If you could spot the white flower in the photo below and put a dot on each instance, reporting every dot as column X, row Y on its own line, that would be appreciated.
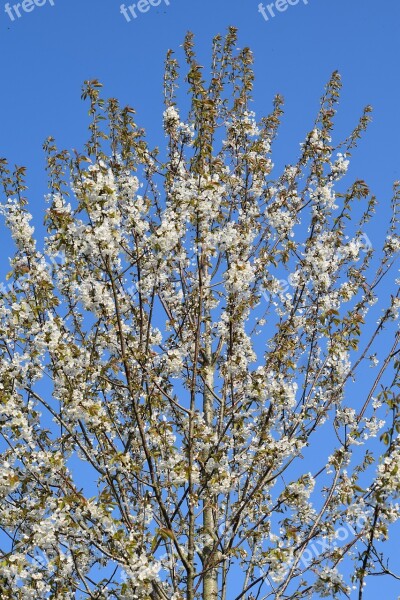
column 171, row 118
column 373, row 360
column 340, row 166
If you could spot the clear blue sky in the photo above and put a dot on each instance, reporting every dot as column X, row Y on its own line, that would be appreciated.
column 47, row 53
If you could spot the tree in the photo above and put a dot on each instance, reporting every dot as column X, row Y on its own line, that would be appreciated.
column 185, row 408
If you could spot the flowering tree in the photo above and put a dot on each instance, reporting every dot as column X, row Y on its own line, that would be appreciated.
column 185, row 408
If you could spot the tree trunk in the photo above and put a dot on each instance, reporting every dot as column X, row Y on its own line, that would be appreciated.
column 210, row 581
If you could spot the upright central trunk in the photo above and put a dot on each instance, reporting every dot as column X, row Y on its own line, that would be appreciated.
column 210, row 581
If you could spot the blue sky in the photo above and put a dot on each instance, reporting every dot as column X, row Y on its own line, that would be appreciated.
column 48, row 52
